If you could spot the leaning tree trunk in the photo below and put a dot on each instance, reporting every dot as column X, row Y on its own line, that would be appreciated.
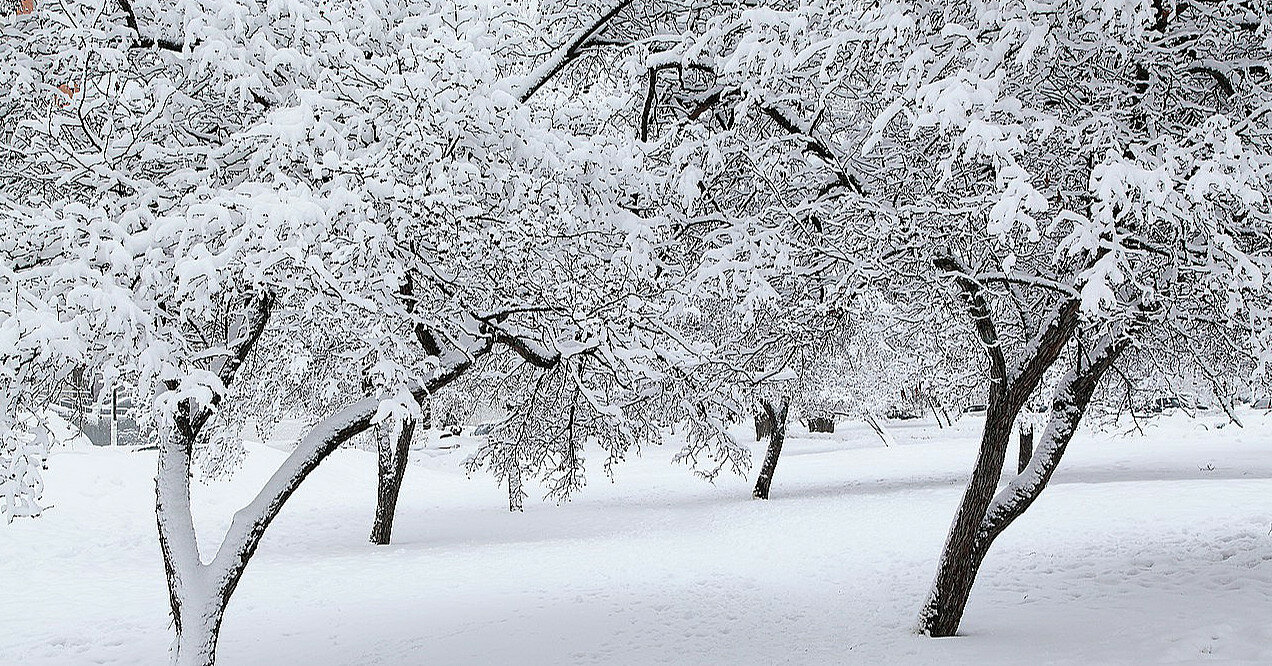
column 965, row 546
column 775, row 418
column 882, row 432
column 969, row 542
column 963, row 551
column 391, row 469
column 935, row 414
column 1025, row 452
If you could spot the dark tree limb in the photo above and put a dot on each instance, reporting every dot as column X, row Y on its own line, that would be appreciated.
column 978, row 309
column 775, row 421
column 647, row 110
column 142, row 41
column 816, row 147
column 566, row 54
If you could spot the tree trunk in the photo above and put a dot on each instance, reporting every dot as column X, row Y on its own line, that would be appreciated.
column 198, row 624
column 884, row 435
column 512, row 471
column 391, row 469
column 962, row 556
column 1026, row 447
column 964, row 547
column 980, row 519
column 821, row 424
column 114, row 416
column 776, row 420
column 196, row 603
column 198, row 592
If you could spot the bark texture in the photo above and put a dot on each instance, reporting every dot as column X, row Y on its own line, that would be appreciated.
column 775, row 417
column 762, row 427
column 965, row 547
column 1025, row 451
column 393, row 454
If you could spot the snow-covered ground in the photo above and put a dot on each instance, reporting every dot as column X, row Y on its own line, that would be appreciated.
column 1146, row 548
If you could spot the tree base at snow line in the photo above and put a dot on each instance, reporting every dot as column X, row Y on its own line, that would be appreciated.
column 968, row 539
column 198, row 628
column 944, row 608
column 821, row 424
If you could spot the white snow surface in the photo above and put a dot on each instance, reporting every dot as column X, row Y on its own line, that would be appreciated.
column 1146, row 548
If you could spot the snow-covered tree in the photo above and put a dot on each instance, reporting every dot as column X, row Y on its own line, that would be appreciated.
column 337, row 210
column 1084, row 171
column 358, row 202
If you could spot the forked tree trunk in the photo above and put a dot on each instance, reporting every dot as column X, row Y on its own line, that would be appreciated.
column 392, row 458
column 969, row 542
column 198, row 592
column 1026, row 447
column 775, row 417
column 965, row 546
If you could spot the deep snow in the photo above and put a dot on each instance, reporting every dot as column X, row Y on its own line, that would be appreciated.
column 1146, row 548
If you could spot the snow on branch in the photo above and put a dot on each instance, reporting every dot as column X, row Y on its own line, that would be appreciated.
column 1072, row 396
column 556, row 62
column 142, row 41
column 973, row 296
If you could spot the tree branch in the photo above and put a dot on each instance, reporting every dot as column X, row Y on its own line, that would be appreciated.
column 1044, row 348
column 143, row 42
column 816, row 147
column 570, row 51
column 1072, row 396
column 973, row 296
